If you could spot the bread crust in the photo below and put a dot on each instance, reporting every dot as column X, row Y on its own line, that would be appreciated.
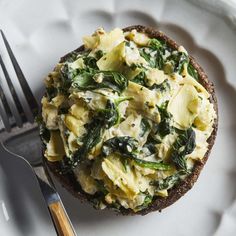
column 184, row 186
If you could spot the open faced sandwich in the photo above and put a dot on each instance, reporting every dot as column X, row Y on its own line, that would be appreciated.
column 128, row 120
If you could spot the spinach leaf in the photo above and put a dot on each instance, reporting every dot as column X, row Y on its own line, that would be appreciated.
column 125, row 145
column 99, row 54
column 147, row 201
column 101, row 187
column 71, row 57
column 110, row 115
column 90, row 62
column 44, row 133
column 150, row 145
column 140, row 79
column 177, row 60
column 67, row 74
column 184, row 145
column 104, row 119
column 51, row 92
column 128, row 147
column 93, row 136
column 152, row 165
column 111, row 79
column 155, row 44
column 192, row 71
column 164, row 127
column 145, row 127
column 154, row 53
column 155, row 61
column 163, row 87
column 169, row 181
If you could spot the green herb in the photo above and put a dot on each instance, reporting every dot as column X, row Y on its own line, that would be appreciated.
column 99, row 54
column 44, row 133
column 178, row 60
column 155, row 44
column 151, row 145
column 101, row 187
column 169, row 181
column 164, row 127
column 90, row 62
column 63, row 110
column 192, row 71
column 140, row 79
column 113, row 80
column 145, row 126
column 163, row 87
column 152, row 165
column 105, row 118
column 51, row 92
column 110, row 115
column 147, row 201
column 184, row 145
column 157, row 60
column 128, row 147
column 71, row 57
column 125, row 145
column 67, row 74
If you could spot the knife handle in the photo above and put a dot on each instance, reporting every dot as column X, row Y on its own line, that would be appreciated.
column 61, row 220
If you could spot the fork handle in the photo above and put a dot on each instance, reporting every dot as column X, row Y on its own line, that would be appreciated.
column 56, row 209
column 60, row 219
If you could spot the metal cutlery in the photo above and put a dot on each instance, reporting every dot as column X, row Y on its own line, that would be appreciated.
column 20, row 137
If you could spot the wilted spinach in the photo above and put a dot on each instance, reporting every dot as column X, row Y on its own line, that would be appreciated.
column 154, row 53
column 192, row 71
column 51, row 92
column 110, row 115
column 128, row 147
column 140, row 79
column 125, row 145
column 163, row 87
column 110, row 79
column 164, row 127
column 169, row 181
column 44, row 133
column 184, row 145
column 147, row 201
column 177, row 60
column 145, row 127
column 90, row 62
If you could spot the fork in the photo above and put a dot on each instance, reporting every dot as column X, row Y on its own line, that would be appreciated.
column 19, row 136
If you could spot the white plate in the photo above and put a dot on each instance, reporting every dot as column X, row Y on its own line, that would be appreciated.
column 42, row 31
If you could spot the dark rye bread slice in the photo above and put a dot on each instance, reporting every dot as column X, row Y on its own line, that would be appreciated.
column 179, row 190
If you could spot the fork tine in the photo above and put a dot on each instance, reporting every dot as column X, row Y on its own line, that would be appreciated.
column 23, row 82
column 10, row 123
column 13, row 92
